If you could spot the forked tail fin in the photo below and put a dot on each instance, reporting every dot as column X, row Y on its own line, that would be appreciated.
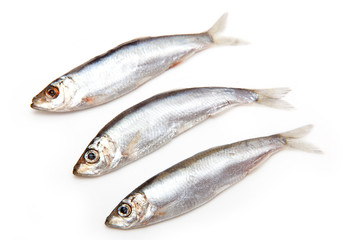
column 273, row 97
column 217, row 28
column 293, row 139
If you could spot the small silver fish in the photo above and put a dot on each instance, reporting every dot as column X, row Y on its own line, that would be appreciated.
column 196, row 180
column 154, row 122
column 123, row 69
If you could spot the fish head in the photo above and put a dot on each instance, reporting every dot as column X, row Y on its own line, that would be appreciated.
column 58, row 96
column 131, row 212
column 100, row 157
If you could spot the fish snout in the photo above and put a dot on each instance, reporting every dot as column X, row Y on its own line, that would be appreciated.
column 80, row 169
column 108, row 221
column 115, row 222
column 84, row 169
column 34, row 103
column 39, row 102
column 76, row 169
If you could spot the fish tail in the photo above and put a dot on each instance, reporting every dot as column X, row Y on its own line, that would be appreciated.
column 293, row 139
column 273, row 97
column 217, row 28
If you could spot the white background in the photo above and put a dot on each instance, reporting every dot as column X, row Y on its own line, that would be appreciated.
column 311, row 46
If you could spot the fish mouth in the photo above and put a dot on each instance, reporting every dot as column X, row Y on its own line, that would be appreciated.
column 37, row 101
column 81, row 169
column 78, row 172
column 108, row 222
column 112, row 223
column 34, row 106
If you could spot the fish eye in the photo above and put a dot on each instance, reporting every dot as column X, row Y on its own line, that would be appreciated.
column 52, row 92
column 92, row 156
column 124, row 210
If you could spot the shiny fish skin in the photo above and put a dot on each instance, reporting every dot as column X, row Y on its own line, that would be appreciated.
column 123, row 69
column 196, row 180
column 154, row 122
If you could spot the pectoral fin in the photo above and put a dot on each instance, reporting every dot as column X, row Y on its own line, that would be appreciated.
column 131, row 147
